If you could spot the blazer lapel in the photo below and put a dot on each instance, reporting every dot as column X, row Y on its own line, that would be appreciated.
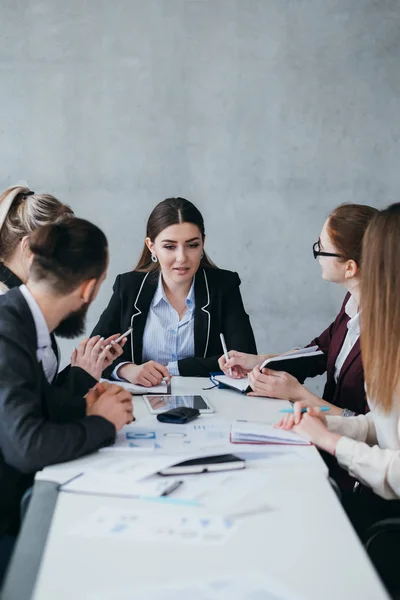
column 141, row 307
column 202, row 317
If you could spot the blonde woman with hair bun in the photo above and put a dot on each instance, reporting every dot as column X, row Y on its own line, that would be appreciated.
column 22, row 212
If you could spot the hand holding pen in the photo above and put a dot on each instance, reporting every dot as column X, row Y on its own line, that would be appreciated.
column 225, row 350
column 300, row 409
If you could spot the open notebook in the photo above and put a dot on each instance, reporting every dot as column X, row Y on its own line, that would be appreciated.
column 247, row 432
column 295, row 362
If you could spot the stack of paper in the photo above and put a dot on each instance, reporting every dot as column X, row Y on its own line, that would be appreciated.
column 246, row 432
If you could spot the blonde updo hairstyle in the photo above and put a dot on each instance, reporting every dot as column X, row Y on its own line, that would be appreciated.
column 25, row 212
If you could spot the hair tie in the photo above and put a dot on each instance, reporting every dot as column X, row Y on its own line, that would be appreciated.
column 30, row 193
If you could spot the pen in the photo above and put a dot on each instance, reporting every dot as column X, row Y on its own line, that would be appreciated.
column 303, row 410
column 172, row 488
column 225, row 350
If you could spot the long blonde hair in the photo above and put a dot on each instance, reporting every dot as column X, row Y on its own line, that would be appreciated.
column 380, row 307
column 24, row 212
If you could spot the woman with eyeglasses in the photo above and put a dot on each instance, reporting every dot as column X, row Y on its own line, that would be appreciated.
column 368, row 446
column 338, row 251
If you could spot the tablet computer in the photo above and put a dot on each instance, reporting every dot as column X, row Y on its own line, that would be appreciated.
column 159, row 404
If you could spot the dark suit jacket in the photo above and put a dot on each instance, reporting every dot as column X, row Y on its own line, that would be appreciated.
column 40, row 424
column 74, row 379
column 348, row 391
column 219, row 309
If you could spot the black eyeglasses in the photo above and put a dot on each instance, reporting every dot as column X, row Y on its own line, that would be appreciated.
column 317, row 252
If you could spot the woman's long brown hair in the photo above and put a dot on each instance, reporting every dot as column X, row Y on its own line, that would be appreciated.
column 170, row 212
column 380, row 307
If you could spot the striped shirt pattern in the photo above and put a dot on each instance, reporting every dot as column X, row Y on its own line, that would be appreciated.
column 167, row 339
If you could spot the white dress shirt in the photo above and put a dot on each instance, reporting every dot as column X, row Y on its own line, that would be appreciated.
column 352, row 335
column 166, row 339
column 44, row 351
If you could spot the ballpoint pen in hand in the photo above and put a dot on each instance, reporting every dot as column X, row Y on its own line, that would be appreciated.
column 225, row 350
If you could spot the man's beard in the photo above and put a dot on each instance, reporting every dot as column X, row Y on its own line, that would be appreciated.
column 73, row 325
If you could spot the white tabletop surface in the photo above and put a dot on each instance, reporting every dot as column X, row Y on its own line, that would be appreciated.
column 304, row 540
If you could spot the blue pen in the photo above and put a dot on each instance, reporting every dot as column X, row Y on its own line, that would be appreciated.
column 303, row 410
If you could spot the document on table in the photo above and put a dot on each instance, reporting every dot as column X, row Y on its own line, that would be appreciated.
column 203, row 434
column 116, row 486
column 235, row 586
column 125, row 477
column 140, row 390
column 155, row 526
column 221, row 492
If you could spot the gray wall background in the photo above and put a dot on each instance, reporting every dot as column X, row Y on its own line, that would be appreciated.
column 266, row 113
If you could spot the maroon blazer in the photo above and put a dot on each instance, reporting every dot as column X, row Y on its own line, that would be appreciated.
column 348, row 391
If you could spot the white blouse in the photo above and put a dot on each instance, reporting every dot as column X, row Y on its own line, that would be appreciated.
column 370, row 448
column 353, row 333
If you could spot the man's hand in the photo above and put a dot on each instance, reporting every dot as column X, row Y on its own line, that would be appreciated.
column 96, row 353
column 95, row 392
column 113, row 404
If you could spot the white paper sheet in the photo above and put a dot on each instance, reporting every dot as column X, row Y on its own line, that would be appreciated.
column 222, row 491
column 123, row 476
column 203, row 434
column 149, row 525
column 140, row 390
column 90, row 483
column 232, row 586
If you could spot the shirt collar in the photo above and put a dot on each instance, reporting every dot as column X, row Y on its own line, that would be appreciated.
column 351, row 310
column 42, row 331
column 160, row 294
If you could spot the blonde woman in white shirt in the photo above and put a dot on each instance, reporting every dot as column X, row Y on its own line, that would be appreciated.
column 368, row 446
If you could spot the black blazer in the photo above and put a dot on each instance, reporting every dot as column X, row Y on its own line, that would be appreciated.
column 74, row 379
column 40, row 424
column 219, row 309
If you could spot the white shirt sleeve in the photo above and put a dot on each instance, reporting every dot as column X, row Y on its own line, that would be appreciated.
column 115, row 375
column 173, row 368
column 376, row 467
column 360, row 428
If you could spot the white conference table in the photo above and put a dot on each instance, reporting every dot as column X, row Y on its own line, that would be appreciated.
column 305, row 541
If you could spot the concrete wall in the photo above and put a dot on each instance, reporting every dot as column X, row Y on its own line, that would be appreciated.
column 265, row 113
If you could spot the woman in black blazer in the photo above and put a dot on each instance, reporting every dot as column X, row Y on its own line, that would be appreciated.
column 177, row 303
